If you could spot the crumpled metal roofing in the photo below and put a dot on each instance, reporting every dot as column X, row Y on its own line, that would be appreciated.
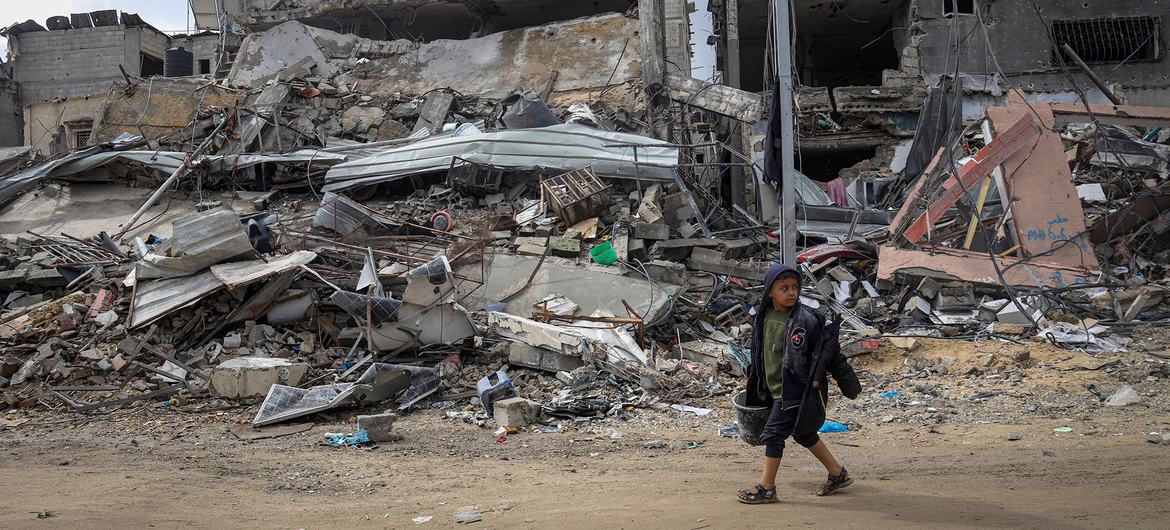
column 558, row 148
column 163, row 161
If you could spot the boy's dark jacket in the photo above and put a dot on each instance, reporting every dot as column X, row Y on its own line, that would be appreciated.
column 811, row 344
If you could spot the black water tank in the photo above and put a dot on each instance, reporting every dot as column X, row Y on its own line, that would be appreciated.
column 58, row 23
column 178, row 63
column 81, row 20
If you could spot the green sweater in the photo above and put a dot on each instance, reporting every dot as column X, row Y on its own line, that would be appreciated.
column 775, row 328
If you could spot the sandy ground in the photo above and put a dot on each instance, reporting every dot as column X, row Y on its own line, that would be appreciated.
column 156, row 468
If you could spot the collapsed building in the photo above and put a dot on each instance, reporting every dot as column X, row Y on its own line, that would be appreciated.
column 353, row 202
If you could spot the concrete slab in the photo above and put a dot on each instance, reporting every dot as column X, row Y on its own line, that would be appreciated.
column 84, row 210
column 588, row 287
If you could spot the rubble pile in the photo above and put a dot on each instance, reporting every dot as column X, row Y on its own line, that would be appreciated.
column 323, row 233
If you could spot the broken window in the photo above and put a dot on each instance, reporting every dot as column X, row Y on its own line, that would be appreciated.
column 204, row 66
column 962, row 7
column 151, row 66
column 1110, row 40
column 81, row 138
column 78, row 133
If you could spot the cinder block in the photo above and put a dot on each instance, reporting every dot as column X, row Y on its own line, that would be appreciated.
column 253, row 376
column 564, row 247
column 654, row 231
column 379, row 427
column 516, row 412
column 740, row 248
column 541, row 359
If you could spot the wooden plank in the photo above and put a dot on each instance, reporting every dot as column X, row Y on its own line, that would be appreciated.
column 978, row 215
column 1021, row 133
column 720, row 99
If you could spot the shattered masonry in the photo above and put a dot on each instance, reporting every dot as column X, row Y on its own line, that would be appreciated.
column 541, row 218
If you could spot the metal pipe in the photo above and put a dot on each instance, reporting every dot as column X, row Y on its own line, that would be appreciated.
column 1072, row 54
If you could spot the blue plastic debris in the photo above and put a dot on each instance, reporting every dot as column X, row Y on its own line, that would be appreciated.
column 832, row 426
column 891, row 394
column 360, row 437
column 730, row 431
column 740, row 354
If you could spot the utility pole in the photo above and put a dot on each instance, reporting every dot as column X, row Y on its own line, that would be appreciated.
column 781, row 23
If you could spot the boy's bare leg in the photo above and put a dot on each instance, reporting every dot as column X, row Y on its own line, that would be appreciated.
column 821, row 451
column 771, row 467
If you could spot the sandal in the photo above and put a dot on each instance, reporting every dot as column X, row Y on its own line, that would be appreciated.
column 835, row 484
column 760, row 495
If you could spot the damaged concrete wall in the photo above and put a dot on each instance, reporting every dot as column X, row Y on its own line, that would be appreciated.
column 1021, row 44
column 11, row 118
column 51, row 126
column 293, row 48
column 204, row 48
column 422, row 20
column 79, row 62
column 158, row 106
column 584, row 52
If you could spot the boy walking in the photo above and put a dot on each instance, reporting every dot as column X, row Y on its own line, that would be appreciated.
column 794, row 350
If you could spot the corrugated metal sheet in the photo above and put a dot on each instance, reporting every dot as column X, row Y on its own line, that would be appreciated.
column 156, row 298
column 556, row 148
column 346, row 216
column 244, row 272
column 163, row 161
column 201, row 239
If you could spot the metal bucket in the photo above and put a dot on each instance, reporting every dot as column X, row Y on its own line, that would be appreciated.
column 751, row 419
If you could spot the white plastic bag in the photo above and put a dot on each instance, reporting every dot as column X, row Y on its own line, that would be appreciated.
column 1125, row 396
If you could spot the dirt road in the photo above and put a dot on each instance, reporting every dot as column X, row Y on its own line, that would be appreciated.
column 136, row 471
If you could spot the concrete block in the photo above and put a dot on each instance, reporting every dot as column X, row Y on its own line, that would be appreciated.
column 253, row 376
column 928, row 288
column 678, row 215
column 13, row 279
column 1010, row 314
column 542, row 359
column 917, row 307
column 531, row 250
column 841, row 274
column 686, row 230
column 665, row 272
column 379, row 427
column 680, row 249
column 739, row 248
column 955, row 297
column 635, row 249
column 654, row 231
column 534, row 241
column 711, row 260
column 674, row 201
column 516, row 412
column 564, row 247
column 46, row 278
column 700, row 351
